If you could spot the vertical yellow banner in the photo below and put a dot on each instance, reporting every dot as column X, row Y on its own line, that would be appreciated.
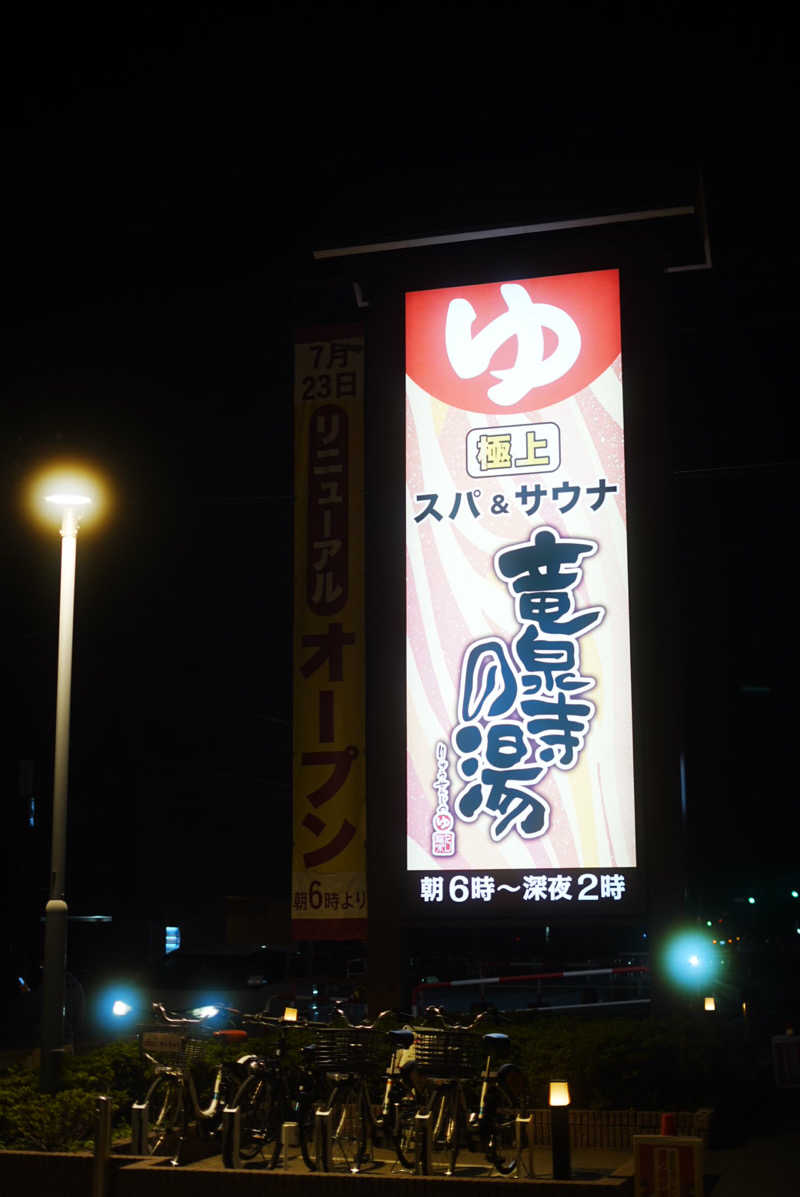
column 329, row 891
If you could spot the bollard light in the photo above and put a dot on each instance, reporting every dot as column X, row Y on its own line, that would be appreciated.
column 559, row 1100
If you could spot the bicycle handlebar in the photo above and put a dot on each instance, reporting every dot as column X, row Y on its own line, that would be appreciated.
column 370, row 1026
column 174, row 1018
column 439, row 1013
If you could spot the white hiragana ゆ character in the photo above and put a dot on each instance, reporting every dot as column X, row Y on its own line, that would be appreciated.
column 559, row 887
column 612, row 885
column 483, row 887
column 535, row 888
column 524, row 320
column 431, row 889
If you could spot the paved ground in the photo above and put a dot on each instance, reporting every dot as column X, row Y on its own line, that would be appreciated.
column 586, row 1165
column 767, row 1164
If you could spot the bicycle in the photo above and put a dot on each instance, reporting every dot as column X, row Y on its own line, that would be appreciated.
column 174, row 1046
column 448, row 1060
column 341, row 1123
column 500, row 1102
column 274, row 1091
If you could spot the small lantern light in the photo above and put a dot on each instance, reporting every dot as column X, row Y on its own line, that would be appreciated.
column 559, row 1093
column 559, row 1129
column 709, row 1004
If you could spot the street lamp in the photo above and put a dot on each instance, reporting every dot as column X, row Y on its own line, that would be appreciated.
column 71, row 501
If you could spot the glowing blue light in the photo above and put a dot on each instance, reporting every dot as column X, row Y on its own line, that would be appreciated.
column 117, row 1008
column 690, row 960
column 205, row 1011
column 752, row 901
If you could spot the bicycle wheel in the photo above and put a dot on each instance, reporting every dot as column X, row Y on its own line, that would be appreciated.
column 306, row 1113
column 259, row 1122
column 501, row 1116
column 446, row 1120
column 404, row 1133
column 348, row 1127
column 164, row 1113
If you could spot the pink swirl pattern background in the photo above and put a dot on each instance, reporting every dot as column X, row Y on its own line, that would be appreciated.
column 454, row 597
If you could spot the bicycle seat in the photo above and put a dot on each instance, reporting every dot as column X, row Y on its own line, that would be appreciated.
column 496, row 1041
column 401, row 1038
column 251, row 1063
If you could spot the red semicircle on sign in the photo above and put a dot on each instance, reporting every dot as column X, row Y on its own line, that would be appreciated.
column 590, row 299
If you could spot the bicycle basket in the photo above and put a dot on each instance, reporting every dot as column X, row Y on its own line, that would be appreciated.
column 172, row 1048
column 345, row 1049
column 447, row 1053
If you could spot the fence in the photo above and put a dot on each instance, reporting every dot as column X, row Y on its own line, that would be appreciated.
column 562, row 989
column 613, row 1130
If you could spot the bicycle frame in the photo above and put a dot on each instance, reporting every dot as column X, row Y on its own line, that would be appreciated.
column 181, row 1082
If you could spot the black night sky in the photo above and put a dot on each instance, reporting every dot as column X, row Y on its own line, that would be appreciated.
column 166, row 177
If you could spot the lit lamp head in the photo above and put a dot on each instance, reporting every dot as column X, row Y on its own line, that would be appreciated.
column 709, row 1004
column 559, row 1093
column 64, row 498
column 70, row 491
column 72, row 505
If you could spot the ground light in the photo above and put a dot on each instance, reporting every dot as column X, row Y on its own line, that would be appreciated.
column 559, row 1100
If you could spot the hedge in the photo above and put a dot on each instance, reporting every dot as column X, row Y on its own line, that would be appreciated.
column 647, row 1064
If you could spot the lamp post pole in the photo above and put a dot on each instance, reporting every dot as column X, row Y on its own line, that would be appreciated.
column 55, row 936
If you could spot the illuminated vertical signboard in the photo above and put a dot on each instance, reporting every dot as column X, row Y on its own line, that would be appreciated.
column 329, row 890
column 520, row 795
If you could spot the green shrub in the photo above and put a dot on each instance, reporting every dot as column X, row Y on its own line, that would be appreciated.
column 44, row 1122
column 649, row 1064
column 30, row 1120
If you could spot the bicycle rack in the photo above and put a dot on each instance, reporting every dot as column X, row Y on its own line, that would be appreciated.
column 524, row 1144
column 289, row 1138
column 102, row 1147
column 139, row 1128
column 231, row 1136
column 322, row 1140
column 423, row 1139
